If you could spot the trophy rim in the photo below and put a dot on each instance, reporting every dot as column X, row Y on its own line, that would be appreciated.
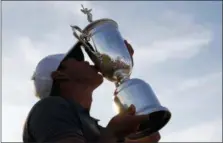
column 92, row 25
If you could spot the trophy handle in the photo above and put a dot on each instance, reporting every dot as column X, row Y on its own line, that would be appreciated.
column 83, row 38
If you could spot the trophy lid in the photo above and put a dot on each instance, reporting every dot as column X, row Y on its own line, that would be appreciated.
column 95, row 23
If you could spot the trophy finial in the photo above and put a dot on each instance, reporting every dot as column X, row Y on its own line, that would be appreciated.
column 88, row 13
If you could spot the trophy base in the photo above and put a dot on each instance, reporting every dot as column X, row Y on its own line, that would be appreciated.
column 157, row 120
column 140, row 94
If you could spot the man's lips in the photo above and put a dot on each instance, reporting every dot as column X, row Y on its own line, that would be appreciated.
column 95, row 68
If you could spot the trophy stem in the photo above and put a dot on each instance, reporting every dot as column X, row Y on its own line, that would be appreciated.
column 121, row 76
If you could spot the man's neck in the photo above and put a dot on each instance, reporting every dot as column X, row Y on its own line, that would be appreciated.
column 84, row 100
column 83, row 97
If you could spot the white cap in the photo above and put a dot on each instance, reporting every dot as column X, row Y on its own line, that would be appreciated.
column 42, row 76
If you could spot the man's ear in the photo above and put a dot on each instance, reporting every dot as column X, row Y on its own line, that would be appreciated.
column 58, row 75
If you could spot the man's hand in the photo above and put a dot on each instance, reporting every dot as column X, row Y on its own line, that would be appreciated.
column 154, row 138
column 125, row 123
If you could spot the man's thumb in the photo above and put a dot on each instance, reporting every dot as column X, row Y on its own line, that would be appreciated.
column 131, row 110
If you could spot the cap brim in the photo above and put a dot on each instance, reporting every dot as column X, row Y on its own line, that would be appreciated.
column 75, row 52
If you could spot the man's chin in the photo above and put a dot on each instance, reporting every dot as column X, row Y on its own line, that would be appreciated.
column 99, row 80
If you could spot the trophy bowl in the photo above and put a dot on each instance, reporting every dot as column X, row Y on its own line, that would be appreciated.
column 106, row 48
column 139, row 93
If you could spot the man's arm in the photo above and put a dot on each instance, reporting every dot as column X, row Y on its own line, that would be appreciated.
column 154, row 138
column 106, row 137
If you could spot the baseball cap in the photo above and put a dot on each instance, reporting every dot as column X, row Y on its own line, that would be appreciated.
column 43, row 82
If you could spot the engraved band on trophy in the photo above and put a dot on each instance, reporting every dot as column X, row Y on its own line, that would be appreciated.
column 105, row 46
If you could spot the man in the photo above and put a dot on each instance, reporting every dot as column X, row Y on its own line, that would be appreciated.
column 65, row 84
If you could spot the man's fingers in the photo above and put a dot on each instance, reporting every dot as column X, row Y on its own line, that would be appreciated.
column 131, row 110
column 139, row 118
column 119, row 105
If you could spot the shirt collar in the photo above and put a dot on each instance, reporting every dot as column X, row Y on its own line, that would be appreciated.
column 84, row 110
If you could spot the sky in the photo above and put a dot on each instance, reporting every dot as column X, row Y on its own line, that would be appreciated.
column 178, row 51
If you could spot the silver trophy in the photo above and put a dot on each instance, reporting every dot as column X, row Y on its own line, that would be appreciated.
column 105, row 46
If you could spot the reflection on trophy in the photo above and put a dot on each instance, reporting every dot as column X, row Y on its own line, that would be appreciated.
column 105, row 46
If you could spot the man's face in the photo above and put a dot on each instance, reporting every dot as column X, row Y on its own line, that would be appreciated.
column 82, row 72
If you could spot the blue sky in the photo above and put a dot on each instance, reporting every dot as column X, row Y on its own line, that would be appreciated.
column 178, row 50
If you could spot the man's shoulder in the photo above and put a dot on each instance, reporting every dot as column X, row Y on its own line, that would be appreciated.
column 49, row 105
column 52, row 118
column 51, row 101
column 51, row 109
